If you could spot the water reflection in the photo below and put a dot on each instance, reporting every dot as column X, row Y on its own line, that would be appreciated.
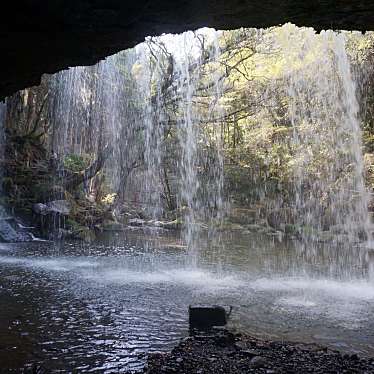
column 103, row 307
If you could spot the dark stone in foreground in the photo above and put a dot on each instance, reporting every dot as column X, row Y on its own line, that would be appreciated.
column 206, row 316
column 226, row 352
column 12, row 232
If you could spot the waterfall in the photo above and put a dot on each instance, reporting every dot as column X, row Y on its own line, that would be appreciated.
column 200, row 194
column 70, row 96
column 149, row 91
column 188, row 124
column 330, row 192
column 149, row 107
column 166, row 73
column 156, row 114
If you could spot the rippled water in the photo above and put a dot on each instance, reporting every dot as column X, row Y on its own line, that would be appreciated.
column 102, row 307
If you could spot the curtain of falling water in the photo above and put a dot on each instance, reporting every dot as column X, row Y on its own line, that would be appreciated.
column 68, row 112
column 166, row 73
column 108, row 110
column 188, row 124
column 3, row 112
column 124, row 103
column 215, row 115
column 149, row 87
column 200, row 163
column 330, row 192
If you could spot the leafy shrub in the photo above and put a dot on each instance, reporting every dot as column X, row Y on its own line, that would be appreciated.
column 76, row 163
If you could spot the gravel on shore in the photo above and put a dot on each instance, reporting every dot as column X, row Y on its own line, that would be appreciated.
column 225, row 352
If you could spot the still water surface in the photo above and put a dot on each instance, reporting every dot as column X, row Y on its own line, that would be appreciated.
column 102, row 307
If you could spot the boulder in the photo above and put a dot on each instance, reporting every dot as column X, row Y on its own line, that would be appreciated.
column 10, row 234
column 62, row 207
column 40, row 208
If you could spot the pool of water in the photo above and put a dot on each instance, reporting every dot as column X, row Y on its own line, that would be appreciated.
column 102, row 307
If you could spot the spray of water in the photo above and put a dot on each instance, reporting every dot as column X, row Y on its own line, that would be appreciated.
column 330, row 193
column 157, row 108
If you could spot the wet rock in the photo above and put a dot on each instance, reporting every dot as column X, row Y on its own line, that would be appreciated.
column 10, row 234
column 59, row 207
column 40, row 208
column 13, row 230
column 50, row 217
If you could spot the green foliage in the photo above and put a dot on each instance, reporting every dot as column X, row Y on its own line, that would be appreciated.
column 76, row 163
column 368, row 140
column 261, row 157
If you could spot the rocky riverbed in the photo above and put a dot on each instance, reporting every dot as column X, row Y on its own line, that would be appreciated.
column 227, row 352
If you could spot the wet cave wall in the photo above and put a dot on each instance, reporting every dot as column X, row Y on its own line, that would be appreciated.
column 45, row 36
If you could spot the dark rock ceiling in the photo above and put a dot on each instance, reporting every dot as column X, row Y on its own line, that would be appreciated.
column 45, row 36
